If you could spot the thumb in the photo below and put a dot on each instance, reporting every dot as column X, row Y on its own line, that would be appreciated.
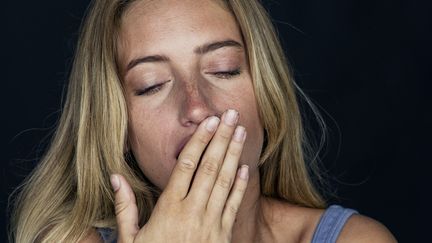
column 125, row 208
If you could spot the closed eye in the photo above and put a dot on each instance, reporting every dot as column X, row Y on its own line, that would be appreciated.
column 227, row 74
column 151, row 90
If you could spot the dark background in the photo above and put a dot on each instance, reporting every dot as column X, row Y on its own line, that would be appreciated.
column 365, row 63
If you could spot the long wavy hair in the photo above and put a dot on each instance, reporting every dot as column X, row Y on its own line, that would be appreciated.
column 69, row 191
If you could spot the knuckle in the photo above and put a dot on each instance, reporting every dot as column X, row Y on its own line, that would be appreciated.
column 120, row 207
column 225, row 135
column 202, row 138
column 234, row 151
column 241, row 189
column 186, row 164
column 210, row 167
column 224, row 182
column 232, row 209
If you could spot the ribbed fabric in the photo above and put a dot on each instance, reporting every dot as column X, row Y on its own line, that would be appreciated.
column 107, row 235
column 329, row 227
column 331, row 224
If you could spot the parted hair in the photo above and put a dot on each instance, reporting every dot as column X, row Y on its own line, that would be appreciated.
column 69, row 191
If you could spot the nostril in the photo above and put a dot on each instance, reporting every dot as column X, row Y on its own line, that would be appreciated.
column 194, row 108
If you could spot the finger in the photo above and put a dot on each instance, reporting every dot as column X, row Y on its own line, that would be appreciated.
column 235, row 198
column 180, row 180
column 212, row 159
column 125, row 209
column 227, row 174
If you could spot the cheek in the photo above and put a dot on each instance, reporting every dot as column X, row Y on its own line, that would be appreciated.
column 148, row 143
column 143, row 130
column 249, row 118
column 242, row 98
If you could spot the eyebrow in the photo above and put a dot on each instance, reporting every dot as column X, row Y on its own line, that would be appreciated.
column 201, row 50
column 216, row 45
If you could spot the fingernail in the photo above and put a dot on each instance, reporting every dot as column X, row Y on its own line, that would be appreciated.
column 239, row 134
column 244, row 172
column 115, row 182
column 212, row 123
column 230, row 117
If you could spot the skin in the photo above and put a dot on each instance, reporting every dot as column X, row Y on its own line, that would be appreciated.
column 204, row 198
column 195, row 90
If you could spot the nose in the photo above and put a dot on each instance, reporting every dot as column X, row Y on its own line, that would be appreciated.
column 196, row 105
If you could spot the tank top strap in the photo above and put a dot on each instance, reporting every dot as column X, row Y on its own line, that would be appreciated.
column 331, row 224
column 108, row 235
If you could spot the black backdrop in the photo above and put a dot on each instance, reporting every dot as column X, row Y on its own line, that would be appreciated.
column 365, row 63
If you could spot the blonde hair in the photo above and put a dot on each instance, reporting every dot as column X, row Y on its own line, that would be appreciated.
column 69, row 191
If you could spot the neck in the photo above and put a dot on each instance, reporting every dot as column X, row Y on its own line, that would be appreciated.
column 250, row 223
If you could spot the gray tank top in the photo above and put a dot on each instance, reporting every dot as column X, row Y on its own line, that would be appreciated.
column 331, row 224
column 327, row 231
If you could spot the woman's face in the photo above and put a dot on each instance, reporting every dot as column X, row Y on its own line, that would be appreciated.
column 182, row 61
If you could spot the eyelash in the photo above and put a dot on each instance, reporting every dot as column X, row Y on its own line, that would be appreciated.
column 156, row 88
column 228, row 74
column 151, row 90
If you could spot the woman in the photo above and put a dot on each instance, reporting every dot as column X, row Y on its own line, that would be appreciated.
column 188, row 110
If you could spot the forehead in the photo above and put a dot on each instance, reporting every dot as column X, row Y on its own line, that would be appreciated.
column 167, row 25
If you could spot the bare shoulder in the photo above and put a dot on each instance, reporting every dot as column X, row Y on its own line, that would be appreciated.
column 92, row 237
column 298, row 224
column 360, row 228
column 292, row 223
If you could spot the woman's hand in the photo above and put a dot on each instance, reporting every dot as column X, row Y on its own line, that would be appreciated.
column 198, row 210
